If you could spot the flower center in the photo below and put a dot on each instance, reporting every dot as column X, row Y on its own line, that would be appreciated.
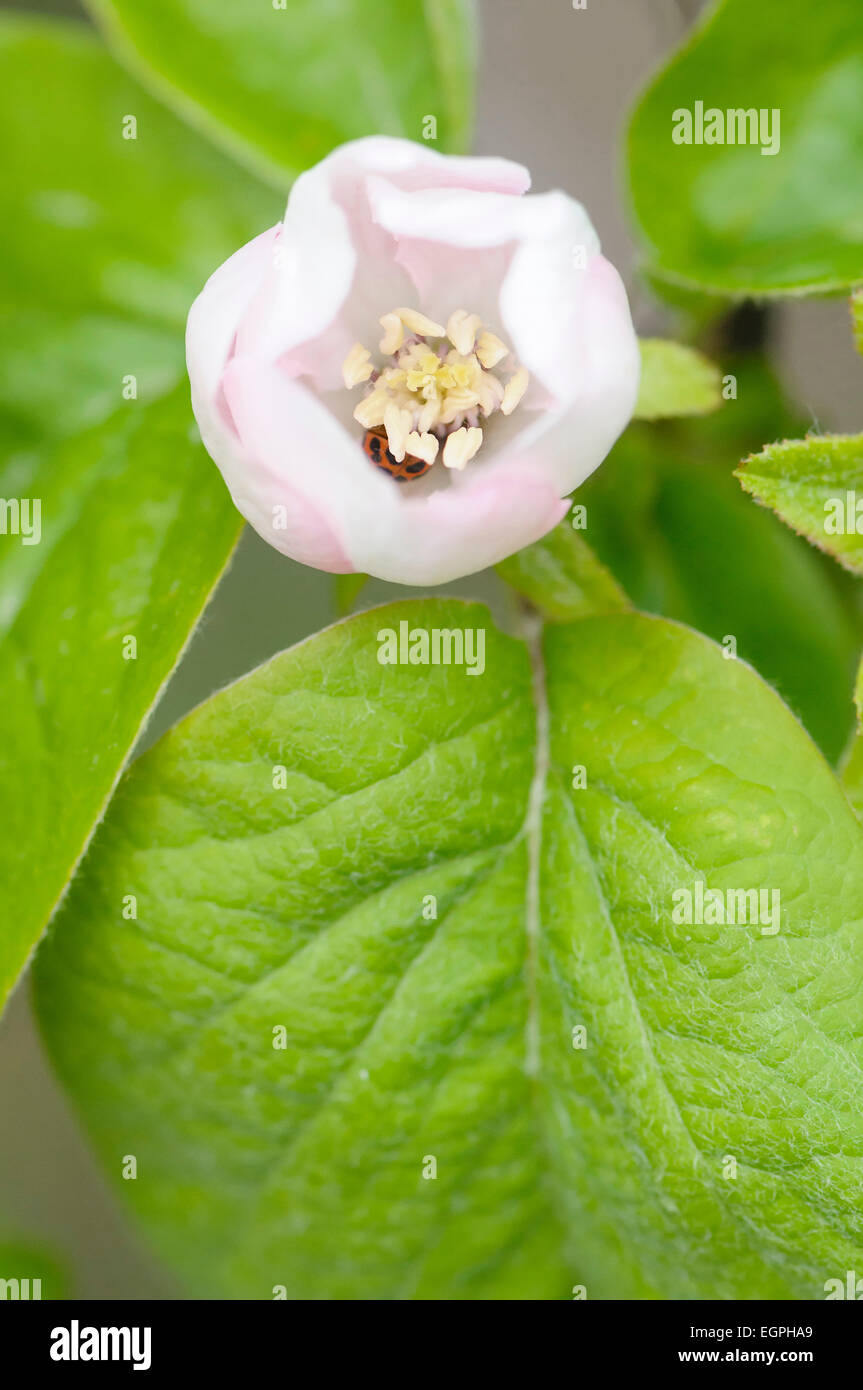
column 434, row 386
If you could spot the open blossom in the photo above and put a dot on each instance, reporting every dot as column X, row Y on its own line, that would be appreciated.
column 408, row 375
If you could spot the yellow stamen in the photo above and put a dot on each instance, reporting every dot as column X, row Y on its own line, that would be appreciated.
column 370, row 412
column 457, row 404
column 423, row 446
column 428, row 416
column 462, row 329
column 514, row 390
column 490, row 394
column 461, row 446
column 490, row 350
column 397, row 424
column 394, row 334
column 357, row 366
column 417, row 323
column 433, row 394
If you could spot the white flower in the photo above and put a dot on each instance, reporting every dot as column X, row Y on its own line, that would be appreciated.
column 415, row 314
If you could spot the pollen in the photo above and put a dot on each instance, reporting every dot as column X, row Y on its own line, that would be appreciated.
column 435, row 387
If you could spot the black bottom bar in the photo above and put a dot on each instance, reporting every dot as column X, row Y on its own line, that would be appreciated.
column 87, row 1339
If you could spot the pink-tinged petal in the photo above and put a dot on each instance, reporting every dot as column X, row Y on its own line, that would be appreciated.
column 306, row 535
column 600, row 345
column 310, row 277
column 336, row 270
column 459, row 531
column 542, row 300
column 491, row 251
column 211, row 330
column 467, row 218
column 413, row 166
column 295, row 450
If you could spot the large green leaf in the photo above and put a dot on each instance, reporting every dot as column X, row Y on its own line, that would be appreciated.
column 681, row 539
column 724, row 217
column 136, row 527
column 816, row 486
column 105, row 240
column 282, row 82
column 372, row 917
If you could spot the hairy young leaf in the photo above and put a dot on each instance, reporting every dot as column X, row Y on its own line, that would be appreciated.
column 727, row 215
column 666, row 516
column 403, row 1009
column 135, row 527
column 675, row 380
column 816, row 486
column 105, row 240
column 280, row 84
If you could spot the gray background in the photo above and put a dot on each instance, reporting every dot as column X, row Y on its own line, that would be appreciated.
column 555, row 88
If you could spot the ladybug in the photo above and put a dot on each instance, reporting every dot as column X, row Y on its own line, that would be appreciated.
column 376, row 448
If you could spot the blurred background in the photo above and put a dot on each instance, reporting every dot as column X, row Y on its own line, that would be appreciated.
column 555, row 88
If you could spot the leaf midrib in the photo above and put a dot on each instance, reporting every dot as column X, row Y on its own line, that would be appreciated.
column 532, row 833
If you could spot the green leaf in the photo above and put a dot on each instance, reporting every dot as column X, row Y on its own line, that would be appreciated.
column 852, row 775
column 814, row 485
column 666, row 516
column 89, row 360
column 852, row 768
column 105, row 240
column 725, row 217
column 857, row 318
column 281, row 86
column 136, row 527
column 105, row 243
column 371, row 912
column 562, row 577
column 28, row 1273
column 676, row 380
